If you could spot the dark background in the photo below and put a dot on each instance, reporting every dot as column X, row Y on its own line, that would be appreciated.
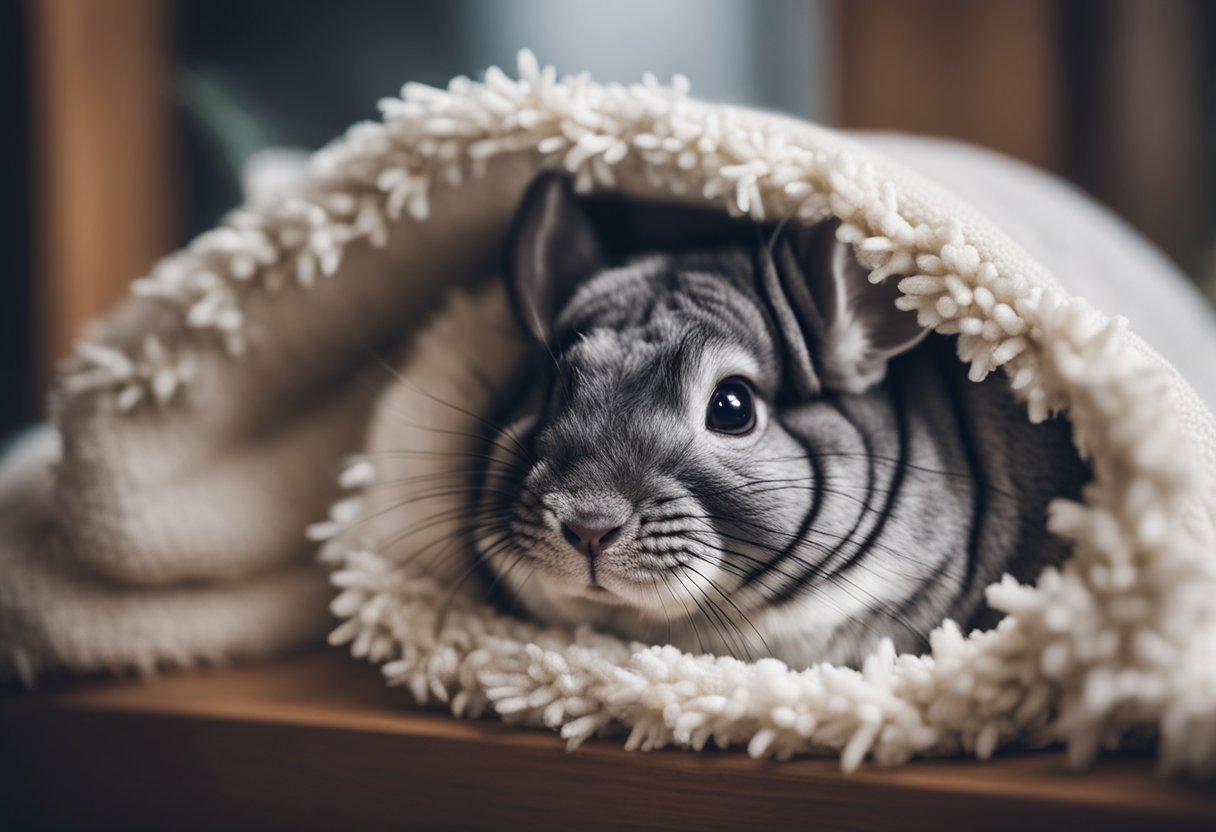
column 18, row 402
column 128, row 120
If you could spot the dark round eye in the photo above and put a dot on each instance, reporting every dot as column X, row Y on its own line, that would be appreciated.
column 731, row 409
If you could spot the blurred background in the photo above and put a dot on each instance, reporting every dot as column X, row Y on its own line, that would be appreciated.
column 129, row 120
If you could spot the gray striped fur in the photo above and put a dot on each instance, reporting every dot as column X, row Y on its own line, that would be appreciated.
column 842, row 518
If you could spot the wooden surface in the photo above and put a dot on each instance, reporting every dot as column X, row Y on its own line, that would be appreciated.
column 318, row 742
column 102, row 147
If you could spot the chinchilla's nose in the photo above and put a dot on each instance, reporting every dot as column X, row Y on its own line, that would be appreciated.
column 591, row 521
column 591, row 541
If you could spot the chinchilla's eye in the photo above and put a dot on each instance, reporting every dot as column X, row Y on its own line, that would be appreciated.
column 731, row 409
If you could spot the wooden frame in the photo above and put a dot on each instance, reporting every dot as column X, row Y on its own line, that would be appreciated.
column 984, row 72
column 103, row 154
column 1104, row 92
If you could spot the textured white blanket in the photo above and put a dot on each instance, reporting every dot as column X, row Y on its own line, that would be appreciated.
column 203, row 423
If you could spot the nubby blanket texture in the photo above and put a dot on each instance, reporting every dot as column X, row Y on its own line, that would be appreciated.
column 202, row 426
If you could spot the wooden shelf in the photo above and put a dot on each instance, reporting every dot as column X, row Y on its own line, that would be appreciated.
column 319, row 742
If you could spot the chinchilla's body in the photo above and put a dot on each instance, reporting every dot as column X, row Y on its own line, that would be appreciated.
column 746, row 450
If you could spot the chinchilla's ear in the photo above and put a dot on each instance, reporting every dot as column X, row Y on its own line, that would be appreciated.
column 552, row 247
column 839, row 329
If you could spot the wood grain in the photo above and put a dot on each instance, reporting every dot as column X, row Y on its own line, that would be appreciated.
column 1137, row 117
column 986, row 72
column 103, row 156
column 319, row 742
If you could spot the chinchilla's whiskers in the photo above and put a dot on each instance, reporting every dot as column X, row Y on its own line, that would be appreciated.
column 499, row 547
column 699, row 606
column 687, row 613
column 488, row 436
column 475, row 374
column 726, row 550
column 846, row 584
column 412, row 499
column 818, row 578
column 726, row 597
column 858, row 593
column 458, row 490
column 652, row 574
column 742, row 521
column 747, row 541
column 821, row 532
column 521, row 555
column 518, row 594
column 767, row 485
column 699, row 601
column 726, row 566
column 771, row 485
column 707, row 520
column 410, row 385
column 874, row 604
column 693, row 534
column 456, row 515
column 868, row 492
column 743, row 638
column 666, row 612
column 911, row 470
column 777, row 486
column 457, row 475
column 825, row 548
column 704, row 495
column 405, row 493
column 436, row 520
column 482, row 439
column 754, row 561
column 531, row 531
column 472, row 510
column 826, row 570
column 775, row 568
column 407, row 453
column 909, row 466
column 500, row 404
column 464, row 535
column 468, row 539
column 503, row 544
column 862, row 503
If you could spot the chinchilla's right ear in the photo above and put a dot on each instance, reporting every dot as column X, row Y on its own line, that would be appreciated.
column 552, row 248
column 839, row 331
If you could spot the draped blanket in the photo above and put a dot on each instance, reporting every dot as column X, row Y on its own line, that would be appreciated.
column 207, row 423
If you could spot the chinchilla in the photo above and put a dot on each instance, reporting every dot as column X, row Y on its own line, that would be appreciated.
column 730, row 441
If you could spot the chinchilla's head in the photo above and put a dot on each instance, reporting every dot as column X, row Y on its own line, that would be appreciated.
column 647, row 470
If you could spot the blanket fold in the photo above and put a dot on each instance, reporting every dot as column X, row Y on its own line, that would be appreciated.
column 211, row 419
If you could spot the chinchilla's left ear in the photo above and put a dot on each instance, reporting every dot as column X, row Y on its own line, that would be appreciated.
column 559, row 240
column 839, row 329
column 552, row 247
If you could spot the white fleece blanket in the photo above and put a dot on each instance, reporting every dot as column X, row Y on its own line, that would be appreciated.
column 203, row 422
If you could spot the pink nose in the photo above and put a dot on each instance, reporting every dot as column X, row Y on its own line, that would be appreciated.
column 590, row 542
